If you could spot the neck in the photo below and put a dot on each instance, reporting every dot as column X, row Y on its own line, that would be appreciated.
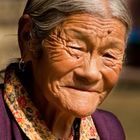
column 59, row 122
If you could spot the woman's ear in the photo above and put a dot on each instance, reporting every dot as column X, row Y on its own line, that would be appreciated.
column 24, row 36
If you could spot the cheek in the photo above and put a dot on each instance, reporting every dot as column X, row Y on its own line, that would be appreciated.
column 60, row 60
column 111, row 75
column 64, row 66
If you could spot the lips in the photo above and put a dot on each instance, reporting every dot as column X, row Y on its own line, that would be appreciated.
column 84, row 88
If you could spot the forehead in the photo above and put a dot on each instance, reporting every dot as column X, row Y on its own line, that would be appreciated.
column 94, row 25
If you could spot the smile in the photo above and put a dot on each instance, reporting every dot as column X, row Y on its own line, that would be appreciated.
column 83, row 89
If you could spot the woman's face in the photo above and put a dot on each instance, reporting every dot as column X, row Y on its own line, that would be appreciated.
column 80, row 63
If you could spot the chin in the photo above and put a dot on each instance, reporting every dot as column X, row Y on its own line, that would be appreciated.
column 83, row 110
column 80, row 106
column 84, row 113
column 75, row 102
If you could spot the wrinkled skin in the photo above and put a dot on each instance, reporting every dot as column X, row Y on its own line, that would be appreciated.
column 80, row 64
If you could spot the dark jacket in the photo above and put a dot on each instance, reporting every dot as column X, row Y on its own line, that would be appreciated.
column 107, row 125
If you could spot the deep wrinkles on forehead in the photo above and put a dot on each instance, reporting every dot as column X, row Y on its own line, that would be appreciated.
column 97, row 26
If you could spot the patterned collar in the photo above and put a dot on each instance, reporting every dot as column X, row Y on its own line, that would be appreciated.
column 27, row 115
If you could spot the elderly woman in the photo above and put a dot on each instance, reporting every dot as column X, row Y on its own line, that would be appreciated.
column 71, row 57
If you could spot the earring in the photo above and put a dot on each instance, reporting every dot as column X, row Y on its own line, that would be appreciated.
column 21, row 65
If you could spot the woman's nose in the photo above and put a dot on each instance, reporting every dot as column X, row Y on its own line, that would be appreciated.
column 89, row 72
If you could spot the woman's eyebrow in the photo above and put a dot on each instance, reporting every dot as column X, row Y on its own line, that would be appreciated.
column 116, row 45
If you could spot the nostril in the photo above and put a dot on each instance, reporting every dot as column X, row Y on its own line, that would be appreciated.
column 82, row 80
column 86, row 79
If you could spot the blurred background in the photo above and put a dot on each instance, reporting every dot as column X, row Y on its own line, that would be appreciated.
column 124, row 101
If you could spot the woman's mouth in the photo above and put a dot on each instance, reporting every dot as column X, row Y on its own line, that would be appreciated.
column 83, row 88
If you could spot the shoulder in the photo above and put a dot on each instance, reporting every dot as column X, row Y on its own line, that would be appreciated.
column 108, row 125
column 8, row 125
column 2, row 103
column 104, row 115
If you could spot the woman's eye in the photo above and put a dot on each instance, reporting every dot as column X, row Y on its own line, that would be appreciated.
column 75, row 50
column 108, row 55
column 75, row 47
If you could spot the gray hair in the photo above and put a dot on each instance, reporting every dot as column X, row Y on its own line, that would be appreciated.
column 47, row 14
